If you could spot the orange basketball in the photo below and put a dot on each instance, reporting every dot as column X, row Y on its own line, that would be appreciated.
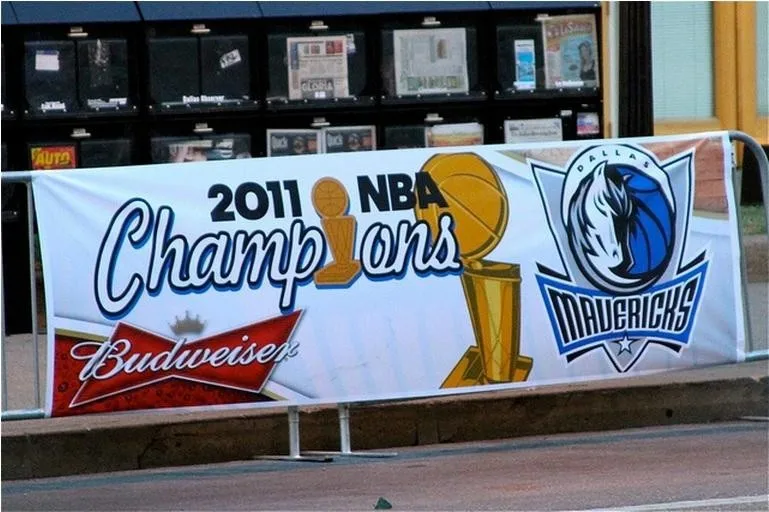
column 475, row 200
column 329, row 197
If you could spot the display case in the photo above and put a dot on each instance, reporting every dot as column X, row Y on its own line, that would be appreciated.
column 449, row 127
column 313, row 76
column 200, row 72
column 106, row 152
column 6, row 104
column 200, row 57
column 538, row 122
column 431, row 61
column 551, row 54
column 293, row 141
column 78, row 63
column 199, row 142
column 318, row 65
column 11, row 192
column 102, row 72
column 88, row 75
column 65, row 147
column 50, row 74
column 335, row 132
column 348, row 139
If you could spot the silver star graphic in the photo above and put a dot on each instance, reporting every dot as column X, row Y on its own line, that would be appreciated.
column 625, row 345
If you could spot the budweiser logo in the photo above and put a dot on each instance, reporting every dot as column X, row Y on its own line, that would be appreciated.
column 132, row 358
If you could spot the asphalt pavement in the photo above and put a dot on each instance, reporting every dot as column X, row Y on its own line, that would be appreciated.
column 692, row 467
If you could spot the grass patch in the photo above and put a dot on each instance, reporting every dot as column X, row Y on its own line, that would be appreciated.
column 753, row 219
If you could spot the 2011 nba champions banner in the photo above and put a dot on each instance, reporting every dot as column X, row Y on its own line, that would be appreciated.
column 387, row 275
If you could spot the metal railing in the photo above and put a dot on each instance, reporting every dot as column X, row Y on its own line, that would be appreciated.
column 37, row 411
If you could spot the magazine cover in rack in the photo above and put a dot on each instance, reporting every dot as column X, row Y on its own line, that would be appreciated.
column 571, row 51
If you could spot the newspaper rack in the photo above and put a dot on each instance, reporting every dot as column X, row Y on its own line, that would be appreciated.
column 295, row 453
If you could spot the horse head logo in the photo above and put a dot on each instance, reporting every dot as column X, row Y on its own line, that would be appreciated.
column 617, row 239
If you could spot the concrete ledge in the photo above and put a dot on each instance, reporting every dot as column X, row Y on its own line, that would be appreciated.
column 47, row 448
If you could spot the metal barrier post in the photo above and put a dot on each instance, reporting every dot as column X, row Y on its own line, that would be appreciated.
column 294, row 450
column 344, row 439
column 2, row 339
column 763, row 171
column 33, row 288
column 25, row 178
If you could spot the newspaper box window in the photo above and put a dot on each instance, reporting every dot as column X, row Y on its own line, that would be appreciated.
column 317, row 67
column 298, row 141
column 517, row 131
column 565, row 119
column 225, row 68
column 520, row 57
column 454, row 134
column 8, row 108
column 49, row 72
column 106, row 152
column 103, row 74
column 203, row 72
column 173, row 71
column 200, row 148
column 547, row 55
column 430, row 64
column 432, row 129
column 404, row 136
column 88, row 76
column 347, row 139
column 88, row 152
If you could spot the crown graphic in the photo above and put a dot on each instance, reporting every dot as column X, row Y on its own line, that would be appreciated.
column 187, row 325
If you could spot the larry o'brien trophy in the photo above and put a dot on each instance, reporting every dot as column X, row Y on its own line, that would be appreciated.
column 331, row 202
column 477, row 202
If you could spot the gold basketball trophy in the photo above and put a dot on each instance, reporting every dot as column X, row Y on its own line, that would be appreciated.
column 478, row 204
column 330, row 200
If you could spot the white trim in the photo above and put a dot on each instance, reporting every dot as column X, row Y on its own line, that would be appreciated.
column 740, row 500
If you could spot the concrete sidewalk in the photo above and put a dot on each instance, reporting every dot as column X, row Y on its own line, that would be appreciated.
column 97, row 443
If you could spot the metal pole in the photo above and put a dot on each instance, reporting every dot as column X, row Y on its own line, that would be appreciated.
column 18, row 176
column 763, row 171
column 763, row 164
column 293, row 433
column 23, row 414
column 345, row 446
column 344, row 429
column 2, row 339
column 294, row 451
column 33, row 289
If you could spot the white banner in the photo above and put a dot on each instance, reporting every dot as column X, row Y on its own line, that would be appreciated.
column 387, row 275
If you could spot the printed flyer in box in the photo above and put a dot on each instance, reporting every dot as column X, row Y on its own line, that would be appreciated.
column 53, row 156
column 430, row 61
column 533, row 130
column 317, row 67
column 525, row 65
column 456, row 134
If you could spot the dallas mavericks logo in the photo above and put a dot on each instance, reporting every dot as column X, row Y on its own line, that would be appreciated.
column 620, row 219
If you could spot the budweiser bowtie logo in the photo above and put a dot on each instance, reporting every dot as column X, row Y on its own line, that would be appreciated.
column 132, row 358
